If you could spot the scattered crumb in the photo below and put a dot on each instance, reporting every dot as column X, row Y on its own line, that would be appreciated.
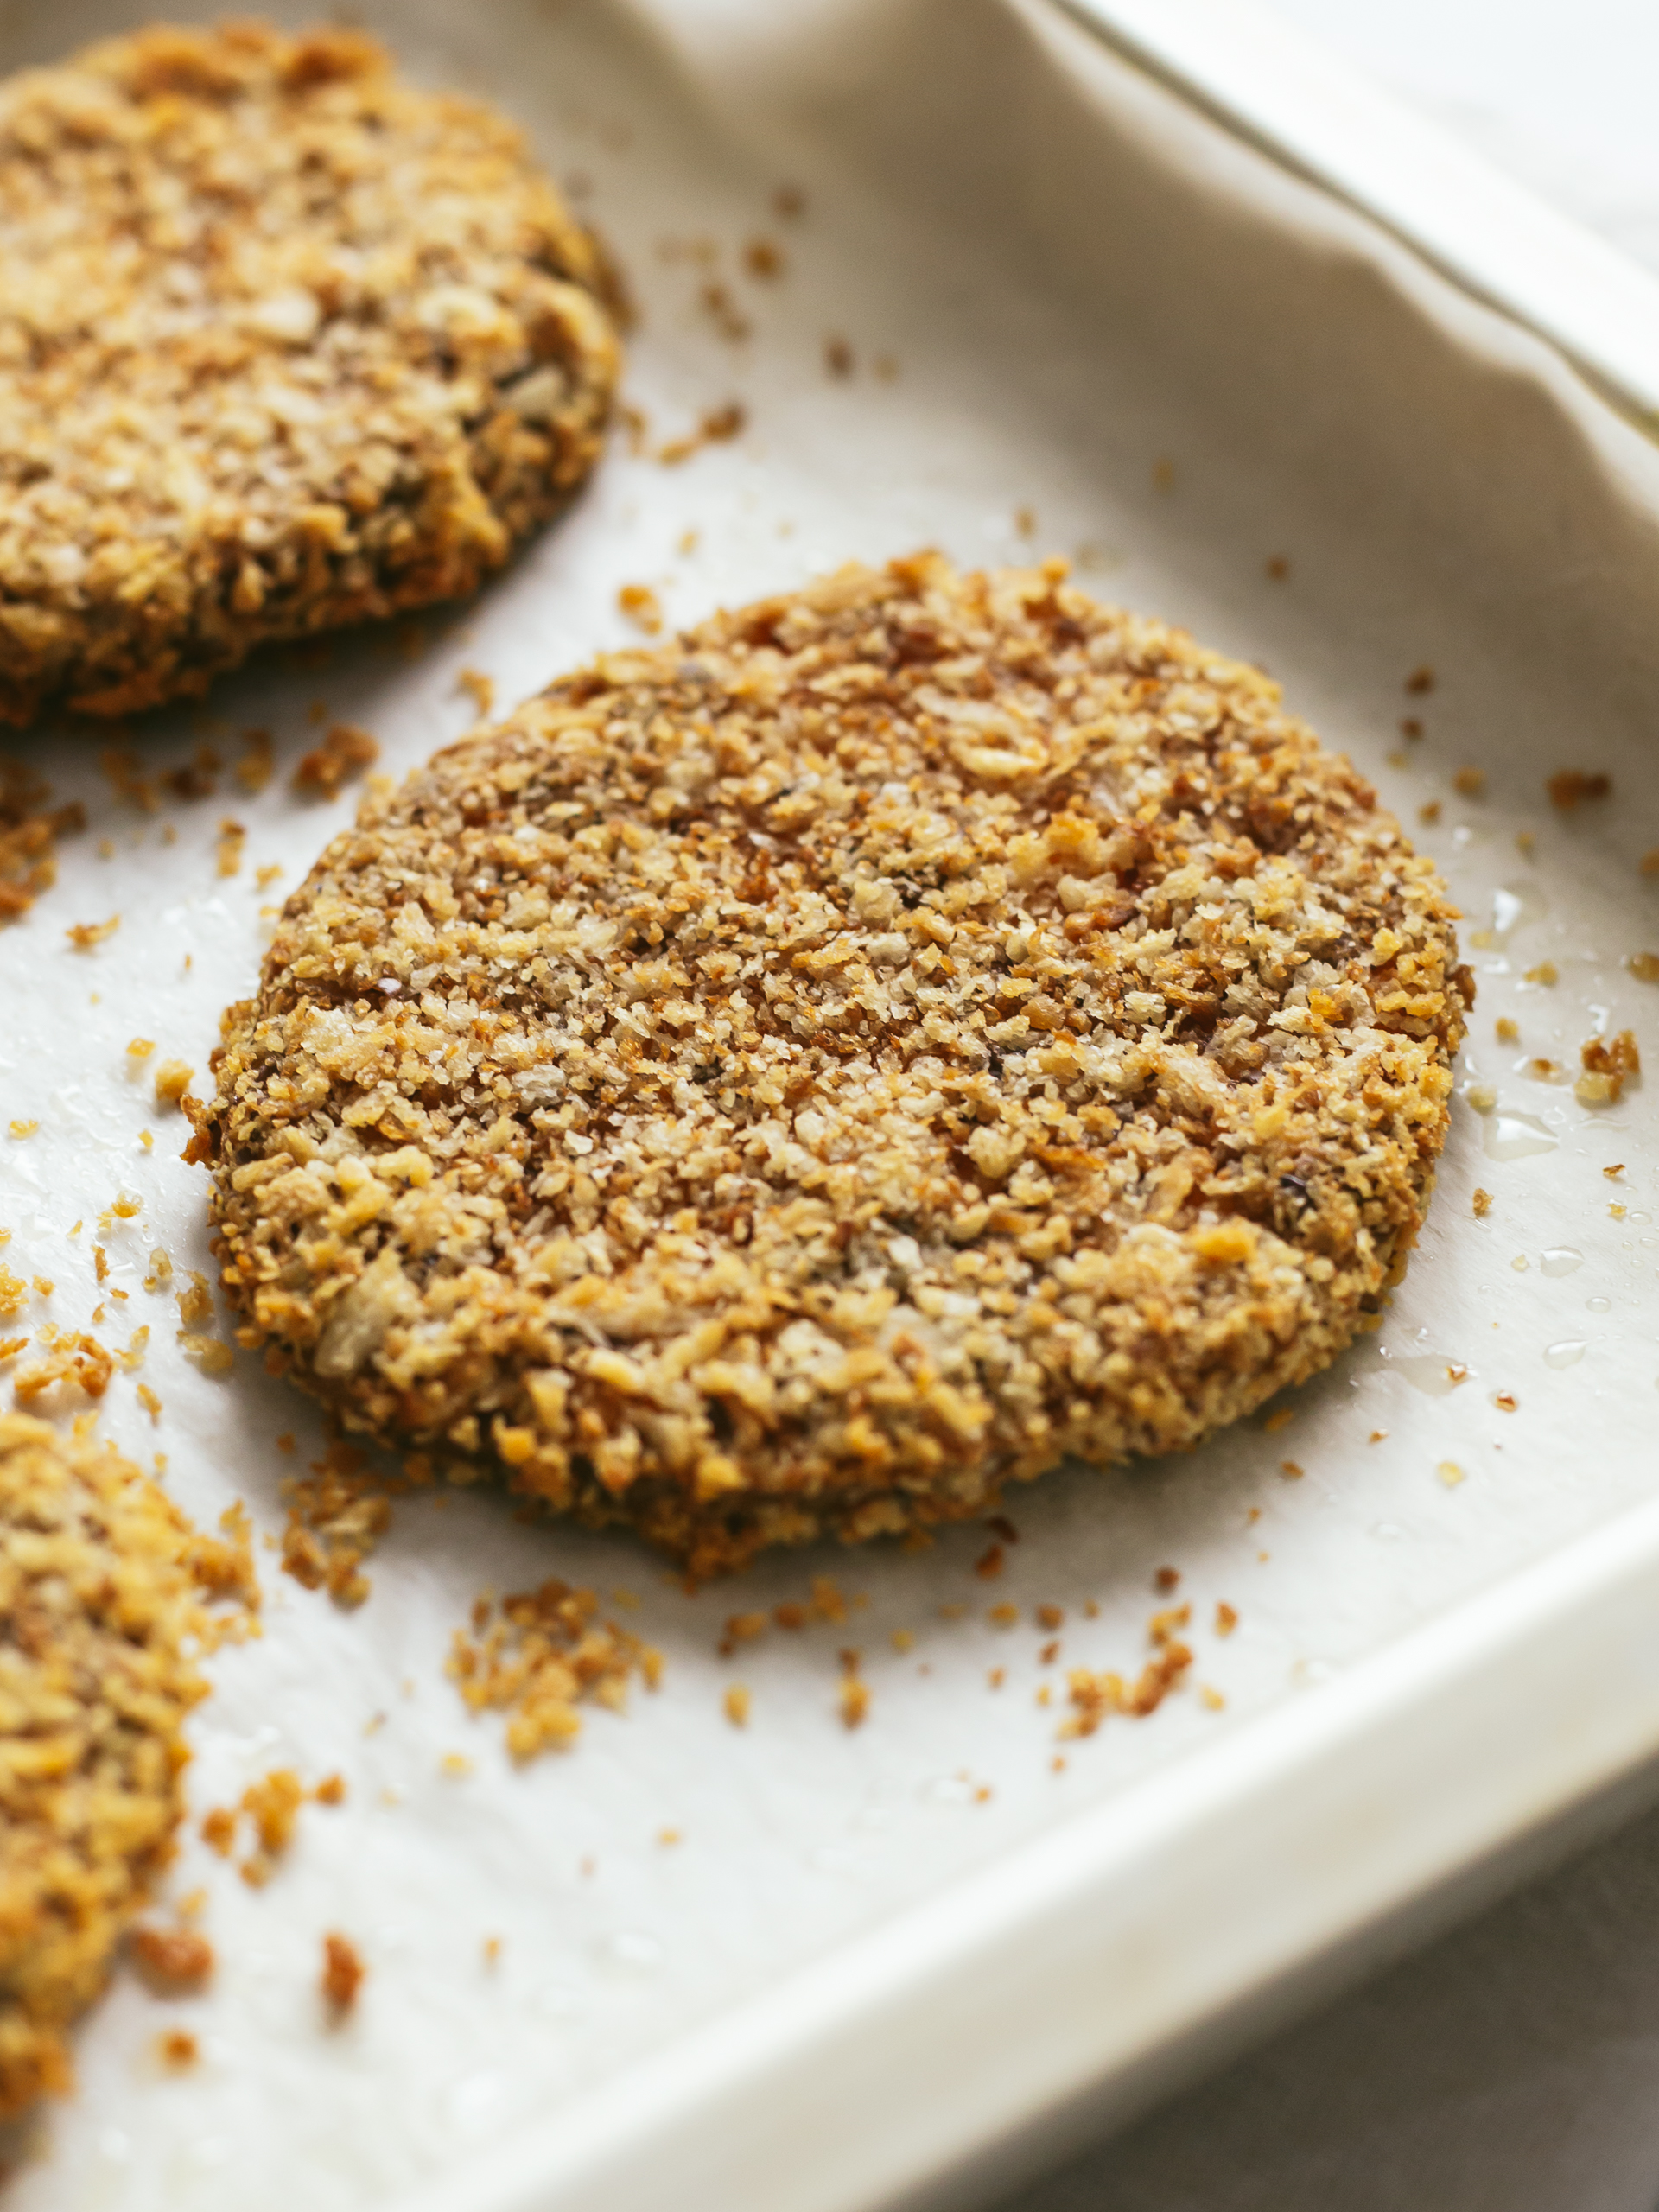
column 1644, row 966
column 1570, row 787
column 1291, row 1471
column 902, row 1640
column 478, row 688
column 256, row 767
column 23, row 1128
column 1519, row 1263
column 1450, row 1473
column 265, row 876
column 331, row 1791
column 988, row 1566
column 1482, row 1202
column 764, row 260
column 718, row 427
column 1410, row 727
column 491, row 1950
column 1277, row 567
column 1617, row 1168
column 1507, row 1032
column 1210, row 1699
column 273, row 1805
column 29, row 830
column 735, row 1704
column 546, row 1652
column 724, row 312
column 1470, row 782
column 141, row 1048
column 1608, row 1063
column 336, row 1516
column 344, row 753
column 1166, row 1578
column 996, row 1677
column 83, row 936
column 640, row 604
column 1505, row 1400
column 1617, row 1213
column 171, row 1962
column 343, row 1973
column 233, row 838
column 171, row 1081
column 686, row 544
column 1420, row 681
column 454, row 1764
column 1431, row 812
column 1051, row 1617
column 1004, row 1616
column 1025, row 522
column 1649, row 863
column 838, row 357
column 789, row 201
column 1280, row 1417
column 853, row 1697
column 1545, row 973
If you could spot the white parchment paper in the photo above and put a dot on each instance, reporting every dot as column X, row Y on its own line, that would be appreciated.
column 1078, row 322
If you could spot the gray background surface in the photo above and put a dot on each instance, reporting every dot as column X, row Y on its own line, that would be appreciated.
column 1514, row 2066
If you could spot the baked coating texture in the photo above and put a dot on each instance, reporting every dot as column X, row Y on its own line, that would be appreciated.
column 283, row 344
column 95, row 1603
column 797, row 1080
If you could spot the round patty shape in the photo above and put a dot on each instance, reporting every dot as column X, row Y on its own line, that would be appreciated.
column 795, row 1080
column 95, row 1603
column 283, row 344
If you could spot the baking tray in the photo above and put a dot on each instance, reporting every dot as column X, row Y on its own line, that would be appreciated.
column 909, row 1961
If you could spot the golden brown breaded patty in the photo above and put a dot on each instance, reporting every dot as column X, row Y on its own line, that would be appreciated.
column 283, row 344
column 95, row 1602
column 798, row 1078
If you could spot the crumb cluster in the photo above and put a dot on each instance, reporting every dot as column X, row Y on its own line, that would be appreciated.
column 542, row 1655
column 798, row 1078
column 96, row 1601
column 284, row 345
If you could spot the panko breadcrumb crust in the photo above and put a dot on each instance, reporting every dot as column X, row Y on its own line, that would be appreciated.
column 96, row 1601
column 797, row 1080
column 283, row 344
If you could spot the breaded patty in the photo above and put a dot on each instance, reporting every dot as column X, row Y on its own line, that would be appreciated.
column 283, row 344
column 96, row 1602
column 800, row 1078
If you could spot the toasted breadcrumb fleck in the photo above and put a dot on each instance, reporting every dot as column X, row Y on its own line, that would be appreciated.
column 717, row 427
column 171, row 1960
column 1617, row 1168
column 1482, row 1202
column 735, row 1704
column 1166, row 1578
column 343, row 1974
column 1609, row 1062
column 1420, row 681
column 232, row 840
column 852, row 1701
column 544, row 1653
column 29, row 830
column 171, row 1081
column 1505, row 1400
column 1470, row 782
column 343, row 753
column 642, row 606
column 1545, row 973
column 1571, row 787
column 1226, row 1618
column 177, row 2050
column 746, row 956
column 1450, row 1473
column 23, row 1128
column 83, row 936
column 1280, row 1417
column 98, row 1607
column 1506, row 1031
column 336, row 1516
column 480, row 687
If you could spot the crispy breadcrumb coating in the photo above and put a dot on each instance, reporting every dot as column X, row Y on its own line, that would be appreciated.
column 283, row 344
column 796, row 1079
column 96, row 1599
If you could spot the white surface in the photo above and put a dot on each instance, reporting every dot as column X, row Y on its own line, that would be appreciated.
column 1514, row 2066
column 1445, row 493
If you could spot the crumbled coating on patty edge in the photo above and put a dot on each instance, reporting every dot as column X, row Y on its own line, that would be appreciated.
column 96, row 1603
column 284, row 345
column 799, row 1079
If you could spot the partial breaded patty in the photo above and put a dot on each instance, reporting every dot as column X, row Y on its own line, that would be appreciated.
column 802, row 1077
column 283, row 344
column 96, row 1602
